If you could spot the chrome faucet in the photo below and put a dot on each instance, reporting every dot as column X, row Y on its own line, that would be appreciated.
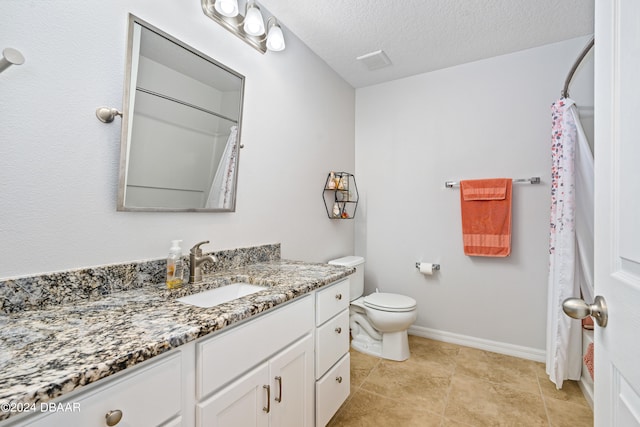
column 195, row 260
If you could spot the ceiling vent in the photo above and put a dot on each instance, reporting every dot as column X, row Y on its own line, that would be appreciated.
column 375, row 60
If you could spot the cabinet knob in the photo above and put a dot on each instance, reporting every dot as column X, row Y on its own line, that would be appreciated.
column 339, row 380
column 338, row 329
column 113, row 417
column 338, row 297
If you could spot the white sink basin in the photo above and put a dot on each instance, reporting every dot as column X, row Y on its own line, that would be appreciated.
column 221, row 295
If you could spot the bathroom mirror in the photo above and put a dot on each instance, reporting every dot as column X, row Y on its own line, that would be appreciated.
column 181, row 127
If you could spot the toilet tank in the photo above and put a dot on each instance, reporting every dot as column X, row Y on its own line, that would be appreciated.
column 356, row 285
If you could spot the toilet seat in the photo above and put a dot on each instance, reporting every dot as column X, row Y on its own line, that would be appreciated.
column 389, row 302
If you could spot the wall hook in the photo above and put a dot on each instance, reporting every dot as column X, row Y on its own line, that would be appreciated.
column 106, row 114
column 10, row 57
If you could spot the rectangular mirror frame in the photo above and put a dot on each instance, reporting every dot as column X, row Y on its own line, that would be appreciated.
column 127, row 121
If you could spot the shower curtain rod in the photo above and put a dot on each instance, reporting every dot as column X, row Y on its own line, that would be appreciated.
column 565, row 90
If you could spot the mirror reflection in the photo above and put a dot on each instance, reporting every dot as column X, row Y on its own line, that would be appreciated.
column 181, row 127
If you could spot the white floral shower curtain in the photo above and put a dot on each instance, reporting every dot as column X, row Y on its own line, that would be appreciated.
column 221, row 192
column 571, row 240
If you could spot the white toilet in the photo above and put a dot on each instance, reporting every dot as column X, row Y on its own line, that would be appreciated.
column 379, row 321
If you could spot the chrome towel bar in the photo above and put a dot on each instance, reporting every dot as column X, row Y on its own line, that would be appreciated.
column 532, row 180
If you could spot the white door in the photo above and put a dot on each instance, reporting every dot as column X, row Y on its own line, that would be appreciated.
column 617, row 211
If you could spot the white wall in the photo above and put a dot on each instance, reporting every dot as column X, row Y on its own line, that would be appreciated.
column 489, row 118
column 59, row 164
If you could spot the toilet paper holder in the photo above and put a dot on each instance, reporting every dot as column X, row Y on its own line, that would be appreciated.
column 435, row 266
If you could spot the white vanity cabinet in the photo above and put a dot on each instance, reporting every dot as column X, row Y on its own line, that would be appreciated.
column 332, row 350
column 150, row 395
column 288, row 367
column 259, row 373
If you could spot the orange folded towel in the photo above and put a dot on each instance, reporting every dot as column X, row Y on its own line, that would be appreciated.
column 486, row 216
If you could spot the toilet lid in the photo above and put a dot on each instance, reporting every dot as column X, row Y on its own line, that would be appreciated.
column 389, row 302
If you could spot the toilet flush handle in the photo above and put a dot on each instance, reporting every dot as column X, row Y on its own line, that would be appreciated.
column 338, row 297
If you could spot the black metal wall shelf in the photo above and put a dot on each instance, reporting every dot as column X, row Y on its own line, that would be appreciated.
column 340, row 195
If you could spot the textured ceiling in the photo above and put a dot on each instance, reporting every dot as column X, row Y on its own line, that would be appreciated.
column 425, row 35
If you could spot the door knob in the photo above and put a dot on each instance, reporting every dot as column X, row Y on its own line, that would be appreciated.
column 578, row 309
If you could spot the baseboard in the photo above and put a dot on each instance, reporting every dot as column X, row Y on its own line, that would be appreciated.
column 587, row 390
column 479, row 343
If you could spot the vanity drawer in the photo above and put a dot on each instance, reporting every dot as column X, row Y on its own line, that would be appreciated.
column 332, row 342
column 331, row 301
column 224, row 357
column 332, row 390
column 149, row 395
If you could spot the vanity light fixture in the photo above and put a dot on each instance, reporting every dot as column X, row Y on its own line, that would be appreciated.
column 250, row 27
column 253, row 21
column 228, row 8
column 275, row 38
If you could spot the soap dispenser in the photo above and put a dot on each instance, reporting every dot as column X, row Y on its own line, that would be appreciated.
column 174, row 265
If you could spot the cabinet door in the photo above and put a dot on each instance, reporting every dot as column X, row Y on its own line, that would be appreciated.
column 244, row 402
column 292, row 385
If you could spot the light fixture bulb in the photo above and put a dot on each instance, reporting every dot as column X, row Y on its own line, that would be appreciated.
column 275, row 38
column 253, row 22
column 228, row 8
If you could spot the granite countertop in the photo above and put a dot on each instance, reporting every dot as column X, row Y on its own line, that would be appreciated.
column 47, row 353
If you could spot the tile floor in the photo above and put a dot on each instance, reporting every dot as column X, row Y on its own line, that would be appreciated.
column 448, row 385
